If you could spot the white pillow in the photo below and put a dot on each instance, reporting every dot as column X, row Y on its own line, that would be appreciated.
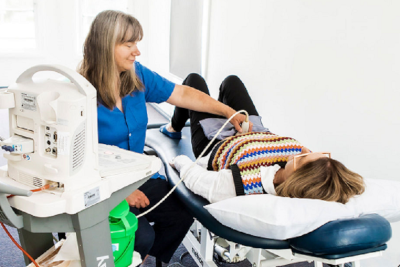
column 381, row 197
column 281, row 218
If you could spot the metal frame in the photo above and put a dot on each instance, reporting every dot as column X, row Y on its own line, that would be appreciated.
column 91, row 226
column 203, row 244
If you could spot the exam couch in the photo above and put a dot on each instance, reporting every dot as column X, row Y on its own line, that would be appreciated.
column 337, row 242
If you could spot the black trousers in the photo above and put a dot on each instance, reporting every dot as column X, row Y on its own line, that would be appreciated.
column 232, row 92
column 171, row 222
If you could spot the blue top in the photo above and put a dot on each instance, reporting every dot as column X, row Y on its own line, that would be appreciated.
column 128, row 130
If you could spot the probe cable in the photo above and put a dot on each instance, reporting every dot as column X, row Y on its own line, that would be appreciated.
column 47, row 186
column 194, row 163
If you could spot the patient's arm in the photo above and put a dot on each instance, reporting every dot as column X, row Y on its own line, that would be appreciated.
column 213, row 186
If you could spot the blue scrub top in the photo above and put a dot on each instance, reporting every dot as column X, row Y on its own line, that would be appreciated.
column 128, row 130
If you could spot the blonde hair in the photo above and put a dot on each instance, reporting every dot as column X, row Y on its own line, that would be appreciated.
column 98, row 66
column 325, row 179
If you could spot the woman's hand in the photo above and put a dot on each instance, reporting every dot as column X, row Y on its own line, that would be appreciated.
column 138, row 199
column 238, row 120
column 186, row 97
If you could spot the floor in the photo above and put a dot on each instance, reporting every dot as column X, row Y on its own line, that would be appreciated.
column 11, row 256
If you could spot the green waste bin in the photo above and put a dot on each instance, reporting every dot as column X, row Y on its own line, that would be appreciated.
column 123, row 225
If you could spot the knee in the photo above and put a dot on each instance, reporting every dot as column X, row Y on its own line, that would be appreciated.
column 231, row 81
column 194, row 76
column 196, row 81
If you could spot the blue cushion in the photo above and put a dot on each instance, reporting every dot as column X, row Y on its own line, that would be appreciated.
column 345, row 237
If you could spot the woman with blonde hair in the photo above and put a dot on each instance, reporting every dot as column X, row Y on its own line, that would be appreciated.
column 256, row 162
column 123, row 88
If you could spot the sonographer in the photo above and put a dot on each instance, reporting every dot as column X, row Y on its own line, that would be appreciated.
column 123, row 87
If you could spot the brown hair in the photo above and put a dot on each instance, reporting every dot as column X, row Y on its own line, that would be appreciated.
column 98, row 66
column 325, row 179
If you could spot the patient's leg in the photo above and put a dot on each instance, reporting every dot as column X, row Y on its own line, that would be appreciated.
column 181, row 115
column 233, row 93
column 199, row 140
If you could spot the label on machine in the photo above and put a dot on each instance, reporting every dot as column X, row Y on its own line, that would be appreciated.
column 28, row 101
column 92, row 197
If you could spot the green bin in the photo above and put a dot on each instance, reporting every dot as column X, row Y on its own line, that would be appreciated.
column 123, row 225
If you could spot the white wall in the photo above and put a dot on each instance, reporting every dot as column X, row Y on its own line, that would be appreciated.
column 154, row 16
column 58, row 41
column 325, row 72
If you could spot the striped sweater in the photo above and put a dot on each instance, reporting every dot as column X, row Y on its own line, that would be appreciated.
column 245, row 154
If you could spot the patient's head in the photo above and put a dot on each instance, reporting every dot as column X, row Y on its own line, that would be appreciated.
column 323, row 178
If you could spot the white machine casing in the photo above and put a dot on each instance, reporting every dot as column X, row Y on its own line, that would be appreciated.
column 60, row 118
column 54, row 141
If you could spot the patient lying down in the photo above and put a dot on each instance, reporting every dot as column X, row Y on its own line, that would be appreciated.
column 257, row 162
column 315, row 176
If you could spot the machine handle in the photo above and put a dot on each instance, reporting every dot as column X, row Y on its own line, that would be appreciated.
column 83, row 85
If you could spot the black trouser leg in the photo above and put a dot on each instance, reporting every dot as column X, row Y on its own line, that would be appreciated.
column 144, row 236
column 233, row 93
column 181, row 115
column 171, row 221
column 199, row 140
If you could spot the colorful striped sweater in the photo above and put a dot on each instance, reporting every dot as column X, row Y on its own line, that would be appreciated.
column 245, row 154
